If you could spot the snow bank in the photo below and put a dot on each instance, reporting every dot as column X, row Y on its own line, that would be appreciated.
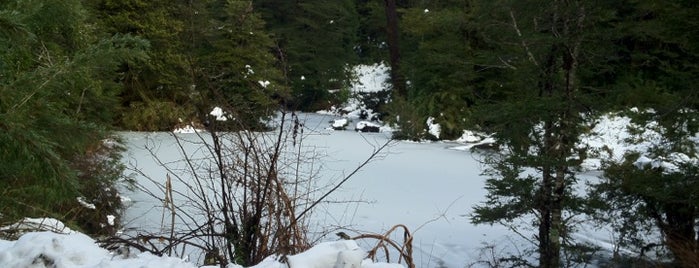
column 47, row 249
column 71, row 249
column 37, row 224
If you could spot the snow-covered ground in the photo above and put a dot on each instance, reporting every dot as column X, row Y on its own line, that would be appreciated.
column 429, row 187
column 63, row 248
column 425, row 186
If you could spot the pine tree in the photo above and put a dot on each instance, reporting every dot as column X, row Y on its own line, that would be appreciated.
column 57, row 97
column 441, row 66
column 537, row 113
column 655, row 67
column 316, row 41
column 235, row 65
column 158, row 91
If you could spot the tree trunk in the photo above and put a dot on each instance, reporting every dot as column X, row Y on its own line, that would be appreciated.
column 397, row 79
column 680, row 238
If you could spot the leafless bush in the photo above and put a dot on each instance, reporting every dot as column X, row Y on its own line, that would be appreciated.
column 250, row 196
column 385, row 243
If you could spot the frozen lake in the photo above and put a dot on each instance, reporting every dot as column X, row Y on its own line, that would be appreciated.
column 426, row 186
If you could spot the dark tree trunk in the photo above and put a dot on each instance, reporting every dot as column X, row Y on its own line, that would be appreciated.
column 397, row 79
column 680, row 238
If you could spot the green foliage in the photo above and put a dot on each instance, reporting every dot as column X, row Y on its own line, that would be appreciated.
column 637, row 198
column 57, row 96
column 440, row 69
column 371, row 42
column 316, row 41
column 236, row 66
column 410, row 121
column 166, row 77
column 198, row 58
column 535, row 107
column 653, row 65
column 151, row 115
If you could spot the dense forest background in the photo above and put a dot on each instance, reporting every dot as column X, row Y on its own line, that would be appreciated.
column 73, row 71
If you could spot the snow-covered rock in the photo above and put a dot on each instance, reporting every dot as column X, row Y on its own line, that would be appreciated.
column 339, row 124
column 366, row 126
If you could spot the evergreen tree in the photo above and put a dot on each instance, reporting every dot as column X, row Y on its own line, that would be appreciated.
column 235, row 64
column 57, row 96
column 158, row 91
column 441, row 67
column 655, row 66
column 537, row 114
column 371, row 43
column 316, row 41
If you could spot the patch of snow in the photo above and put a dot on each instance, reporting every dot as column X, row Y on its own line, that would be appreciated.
column 433, row 128
column 37, row 224
column 110, row 219
column 188, row 129
column 371, row 78
column 74, row 250
column 469, row 146
column 344, row 253
column 47, row 249
column 219, row 114
column 366, row 126
column 614, row 135
column 125, row 200
column 339, row 124
column 81, row 200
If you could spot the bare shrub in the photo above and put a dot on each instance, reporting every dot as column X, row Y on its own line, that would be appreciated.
column 385, row 243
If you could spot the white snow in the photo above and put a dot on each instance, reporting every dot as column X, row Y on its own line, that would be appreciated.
column 187, row 129
column 73, row 250
column 433, row 128
column 371, row 78
column 218, row 113
column 76, row 250
column 340, row 123
column 81, row 200
column 363, row 124
column 38, row 224
column 110, row 219
column 614, row 135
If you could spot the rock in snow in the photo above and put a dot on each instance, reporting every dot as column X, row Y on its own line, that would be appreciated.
column 366, row 126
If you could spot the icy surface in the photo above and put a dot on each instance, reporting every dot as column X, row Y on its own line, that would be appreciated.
column 425, row 186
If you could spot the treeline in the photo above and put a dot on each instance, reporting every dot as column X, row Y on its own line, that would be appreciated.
column 534, row 72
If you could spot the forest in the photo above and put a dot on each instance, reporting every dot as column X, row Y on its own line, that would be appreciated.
column 535, row 73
